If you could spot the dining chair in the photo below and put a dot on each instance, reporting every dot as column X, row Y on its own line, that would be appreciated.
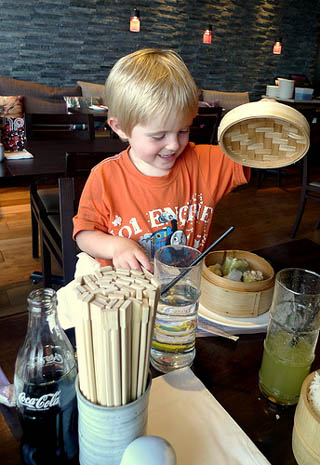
column 309, row 190
column 260, row 174
column 44, row 201
column 53, row 126
column 56, row 235
column 227, row 100
column 56, row 228
column 204, row 128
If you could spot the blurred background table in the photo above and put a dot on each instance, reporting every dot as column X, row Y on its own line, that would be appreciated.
column 48, row 162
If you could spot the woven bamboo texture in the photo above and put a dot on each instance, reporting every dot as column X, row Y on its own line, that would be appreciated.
column 258, row 135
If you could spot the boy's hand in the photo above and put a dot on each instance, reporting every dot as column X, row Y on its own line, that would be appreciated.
column 128, row 254
column 124, row 252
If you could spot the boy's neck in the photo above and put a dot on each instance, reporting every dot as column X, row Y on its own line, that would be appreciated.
column 146, row 169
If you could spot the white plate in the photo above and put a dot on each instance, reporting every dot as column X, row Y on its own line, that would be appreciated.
column 258, row 322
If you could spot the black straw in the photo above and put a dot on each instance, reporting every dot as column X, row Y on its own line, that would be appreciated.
column 197, row 260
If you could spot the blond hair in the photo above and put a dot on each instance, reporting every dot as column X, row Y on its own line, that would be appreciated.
column 148, row 83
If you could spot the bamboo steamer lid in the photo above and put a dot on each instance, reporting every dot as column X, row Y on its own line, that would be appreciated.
column 306, row 429
column 264, row 134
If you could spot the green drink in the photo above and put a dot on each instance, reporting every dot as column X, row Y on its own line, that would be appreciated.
column 285, row 364
column 293, row 330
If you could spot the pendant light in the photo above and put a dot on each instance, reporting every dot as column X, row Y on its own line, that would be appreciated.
column 277, row 46
column 135, row 21
column 207, row 35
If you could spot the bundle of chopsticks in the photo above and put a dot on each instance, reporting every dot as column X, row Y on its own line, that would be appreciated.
column 114, row 326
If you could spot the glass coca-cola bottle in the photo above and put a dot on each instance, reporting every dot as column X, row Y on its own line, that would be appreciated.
column 44, row 381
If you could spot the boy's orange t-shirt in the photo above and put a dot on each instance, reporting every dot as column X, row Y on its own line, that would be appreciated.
column 154, row 211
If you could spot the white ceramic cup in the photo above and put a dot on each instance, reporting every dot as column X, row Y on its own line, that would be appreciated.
column 286, row 87
column 272, row 91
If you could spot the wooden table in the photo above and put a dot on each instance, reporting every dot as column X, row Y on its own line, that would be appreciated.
column 228, row 369
column 48, row 162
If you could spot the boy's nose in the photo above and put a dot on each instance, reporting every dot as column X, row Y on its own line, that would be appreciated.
column 172, row 144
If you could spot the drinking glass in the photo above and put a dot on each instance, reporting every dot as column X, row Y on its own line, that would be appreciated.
column 292, row 335
column 173, row 343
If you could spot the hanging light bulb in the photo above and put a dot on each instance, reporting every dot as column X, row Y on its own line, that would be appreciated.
column 135, row 21
column 277, row 46
column 207, row 35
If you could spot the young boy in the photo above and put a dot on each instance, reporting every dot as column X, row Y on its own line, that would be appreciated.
column 163, row 189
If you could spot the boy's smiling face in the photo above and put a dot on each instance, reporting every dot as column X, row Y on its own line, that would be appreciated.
column 156, row 145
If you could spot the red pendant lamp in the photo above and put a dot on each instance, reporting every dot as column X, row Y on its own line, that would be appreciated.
column 207, row 35
column 277, row 46
column 135, row 21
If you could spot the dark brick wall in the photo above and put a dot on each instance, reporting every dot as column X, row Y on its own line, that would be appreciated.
column 57, row 42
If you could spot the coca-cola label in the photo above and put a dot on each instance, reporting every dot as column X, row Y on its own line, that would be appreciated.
column 39, row 404
column 46, row 360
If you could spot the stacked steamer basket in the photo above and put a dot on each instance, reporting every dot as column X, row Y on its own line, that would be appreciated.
column 306, row 430
column 264, row 134
column 236, row 299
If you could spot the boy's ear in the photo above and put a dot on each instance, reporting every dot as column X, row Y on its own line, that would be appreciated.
column 114, row 125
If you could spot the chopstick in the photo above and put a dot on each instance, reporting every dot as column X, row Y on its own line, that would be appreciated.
column 135, row 354
column 125, row 328
column 114, row 327
column 114, row 349
column 143, row 345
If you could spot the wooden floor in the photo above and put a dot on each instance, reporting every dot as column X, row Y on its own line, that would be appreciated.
column 262, row 217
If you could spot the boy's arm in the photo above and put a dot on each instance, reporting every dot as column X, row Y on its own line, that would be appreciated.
column 124, row 253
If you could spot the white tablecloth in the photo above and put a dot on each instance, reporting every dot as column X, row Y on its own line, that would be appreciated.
column 185, row 413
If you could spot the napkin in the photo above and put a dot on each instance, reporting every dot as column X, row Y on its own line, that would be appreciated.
column 18, row 155
column 184, row 412
column 67, row 299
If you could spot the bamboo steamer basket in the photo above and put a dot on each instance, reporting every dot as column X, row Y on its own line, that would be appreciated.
column 264, row 134
column 233, row 298
column 306, row 429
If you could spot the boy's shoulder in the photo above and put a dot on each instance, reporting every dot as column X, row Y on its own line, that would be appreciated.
column 110, row 161
column 204, row 150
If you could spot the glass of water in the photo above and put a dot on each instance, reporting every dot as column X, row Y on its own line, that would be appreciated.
column 173, row 343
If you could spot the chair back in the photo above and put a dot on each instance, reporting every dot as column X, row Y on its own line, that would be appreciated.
column 310, row 188
column 56, row 229
column 209, row 110
column 59, row 126
column 204, row 128
column 68, row 204
column 81, row 163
